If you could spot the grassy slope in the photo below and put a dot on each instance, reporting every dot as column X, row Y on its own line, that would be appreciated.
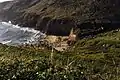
column 97, row 58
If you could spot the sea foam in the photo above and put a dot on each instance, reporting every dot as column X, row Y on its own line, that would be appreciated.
column 14, row 34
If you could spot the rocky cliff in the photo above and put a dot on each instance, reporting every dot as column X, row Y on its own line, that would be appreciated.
column 57, row 17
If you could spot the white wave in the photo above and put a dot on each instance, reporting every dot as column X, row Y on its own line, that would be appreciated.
column 5, row 23
column 30, row 35
column 4, row 0
column 21, row 28
column 6, row 42
column 10, row 22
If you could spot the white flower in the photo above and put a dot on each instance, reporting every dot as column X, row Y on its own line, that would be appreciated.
column 14, row 77
column 81, row 72
column 65, row 76
column 37, row 73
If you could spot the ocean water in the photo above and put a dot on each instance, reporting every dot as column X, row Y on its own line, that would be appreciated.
column 15, row 35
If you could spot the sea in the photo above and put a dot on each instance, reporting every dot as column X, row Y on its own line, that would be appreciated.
column 16, row 35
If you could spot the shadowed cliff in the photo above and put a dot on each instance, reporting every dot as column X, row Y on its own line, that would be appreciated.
column 57, row 17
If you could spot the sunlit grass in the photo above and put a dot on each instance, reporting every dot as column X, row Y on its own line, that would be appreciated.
column 95, row 58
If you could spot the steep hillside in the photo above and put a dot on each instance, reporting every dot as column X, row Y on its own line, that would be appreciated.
column 59, row 16
column 95, row 58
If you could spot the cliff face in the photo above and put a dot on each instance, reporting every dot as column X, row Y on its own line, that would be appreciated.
column 59, row 16
column 10, row 10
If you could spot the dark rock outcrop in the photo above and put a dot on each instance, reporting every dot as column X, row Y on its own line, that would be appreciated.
column 59, row 16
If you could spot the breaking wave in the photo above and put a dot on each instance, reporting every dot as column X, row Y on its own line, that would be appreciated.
column 15, row 35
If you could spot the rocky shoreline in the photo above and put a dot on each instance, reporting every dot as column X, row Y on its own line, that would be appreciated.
column 94, row 56
column 56, row 17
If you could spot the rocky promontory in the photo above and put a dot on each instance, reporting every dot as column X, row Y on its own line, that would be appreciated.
column 57, row 17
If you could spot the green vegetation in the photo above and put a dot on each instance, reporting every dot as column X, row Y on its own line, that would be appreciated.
column 95, row 58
